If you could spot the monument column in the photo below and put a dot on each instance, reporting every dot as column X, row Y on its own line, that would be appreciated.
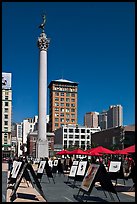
column 42, row 142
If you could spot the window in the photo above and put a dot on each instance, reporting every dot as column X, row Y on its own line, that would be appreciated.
column 65, row 130
column 67, row 100
column 62, row 115
column 72, row 105
column 62, row 109
column 73, row 115
column 77, row 130
column 56, row 114
column 65, row 135
column 72, row 110
column 87, row 131
column 67, row 104
column 56, row 94
column 6, row 93
column 72, row 120
column 67, row 109
column 62, row 104
column 6, row 110
column 5, row 122
column 6, row 103
column 6, row 97
column 56, row 109
column 56, row 124
column 70, row 130
column 6, row 116
column 61, row 124
column 56, row 104
column 72, row 100
column 62, row 99
column 56, row 99
column 56, row 119
column 67, row 115
column 82, row 130
column 61, row 119
column 67, row 94
column 73, row 95
column 62, row 94
column 70, row 136
column 67, row 120
column 82, row 136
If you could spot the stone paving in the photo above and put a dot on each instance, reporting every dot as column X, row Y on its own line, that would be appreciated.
column 60, row 191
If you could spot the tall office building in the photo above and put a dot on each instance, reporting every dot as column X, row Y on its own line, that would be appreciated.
column 115, row 116
column 63, row 103
column 6, row 114
column 91, row 119
column 102, row 120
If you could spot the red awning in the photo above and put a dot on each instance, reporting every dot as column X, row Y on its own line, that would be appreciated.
column 101, row 149
column 63, row 152
column 78, row 152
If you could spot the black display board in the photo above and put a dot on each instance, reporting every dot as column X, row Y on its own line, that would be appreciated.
column 96, row 173
column 28, row 173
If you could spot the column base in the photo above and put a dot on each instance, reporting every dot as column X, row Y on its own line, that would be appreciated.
column 42, row 149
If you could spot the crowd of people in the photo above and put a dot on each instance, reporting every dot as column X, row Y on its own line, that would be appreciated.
column 64, row 164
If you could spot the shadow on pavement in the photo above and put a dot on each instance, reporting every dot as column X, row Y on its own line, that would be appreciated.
column 81, row 198
column 27, row 196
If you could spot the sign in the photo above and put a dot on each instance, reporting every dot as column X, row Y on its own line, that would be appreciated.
column 81, row 168
column 6, row 80
column 73, row 170
column 114, row 166
column 41, row 167
column 89, row 177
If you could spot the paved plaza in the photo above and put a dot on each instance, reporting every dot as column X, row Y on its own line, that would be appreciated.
column 61, row 191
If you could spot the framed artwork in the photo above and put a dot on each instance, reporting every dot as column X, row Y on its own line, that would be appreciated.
column 41, row 167
column 114, row 166
column 16, row 168
column 89, row 177
column 73, row 170
column 55, row 162
column 81, row 168
column 50, row 163
column 75, row 163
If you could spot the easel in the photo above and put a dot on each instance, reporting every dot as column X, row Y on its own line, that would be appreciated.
column 101, row 176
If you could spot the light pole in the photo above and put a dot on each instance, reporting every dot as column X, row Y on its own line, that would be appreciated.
column 122, row 133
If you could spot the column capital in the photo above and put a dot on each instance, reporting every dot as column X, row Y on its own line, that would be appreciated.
column 43, row 42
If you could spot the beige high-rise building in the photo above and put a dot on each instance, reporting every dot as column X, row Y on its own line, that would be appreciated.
column 115, row 116
column 91, row 119
column 63, row 103
column 6, row 114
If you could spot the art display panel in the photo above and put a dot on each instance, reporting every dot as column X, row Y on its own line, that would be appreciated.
column 73, row 171
column 75, row 163
column 41, row 167
column 114, row 166
column 16, row 168
column 81, row 168
column 89, row 177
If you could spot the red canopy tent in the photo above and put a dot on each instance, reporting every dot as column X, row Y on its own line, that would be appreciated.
column 63, row 152
column 94, row 154
column 101, row 149
column 78, row 152
column 130, row 149
column 120, row 152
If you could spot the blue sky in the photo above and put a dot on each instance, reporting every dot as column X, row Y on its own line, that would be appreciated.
column 91, row 43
